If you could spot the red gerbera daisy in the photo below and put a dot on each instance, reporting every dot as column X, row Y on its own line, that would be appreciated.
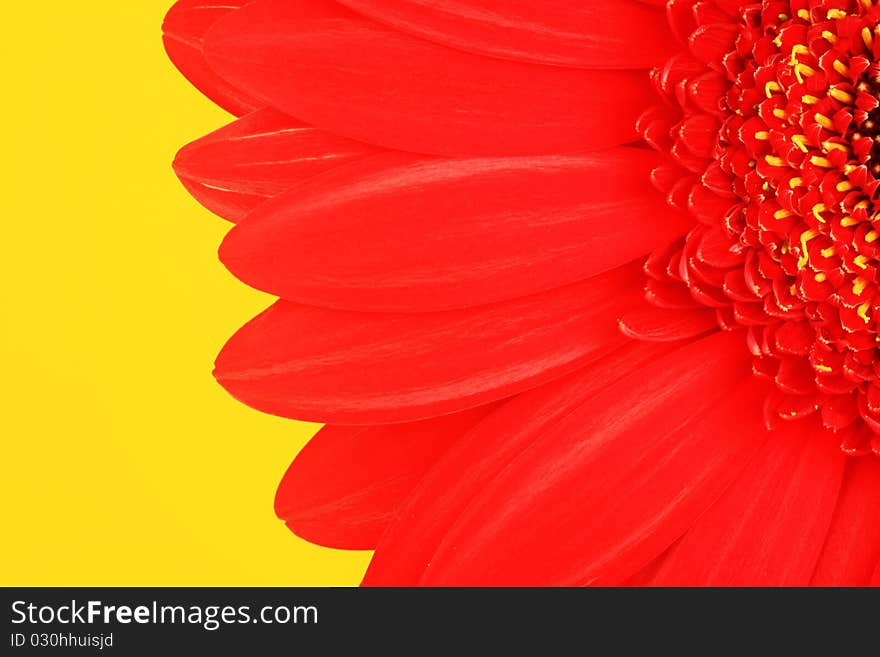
column 453, row 204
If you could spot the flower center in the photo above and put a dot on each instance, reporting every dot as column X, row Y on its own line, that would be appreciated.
column 772, row 123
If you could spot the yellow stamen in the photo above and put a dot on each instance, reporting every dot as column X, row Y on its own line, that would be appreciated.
column 762, row 135
column 823, row 121
column 827, row 253
column 807, row 99
column 782, row 213
column 803, row 14
column 832, row 146
column 775, row 161
column 779, row 113
column 862, row 311
column 823, row 162
column 822, row 368
column 800, row 141
column 820, row 277
column 806, row 236
column 840, row 67
column 868, row 38
column 861, row 261
column 770, row 87
column 871, row 236
column 795, row 181
column 818, row 209
column 840, row 95
column 836, row 13
column 846, row 222
column 843, row 186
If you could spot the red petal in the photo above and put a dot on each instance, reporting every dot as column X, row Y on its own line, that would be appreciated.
column 345, row 73
column 596, row 495
column 183, row 32
column 768, row 529
column 405, row 234
column 580, row 34
column 444, row 493
column 665, row 325
column 234, row 169
column 347, row 483
column 366, row 368
column 853, row 545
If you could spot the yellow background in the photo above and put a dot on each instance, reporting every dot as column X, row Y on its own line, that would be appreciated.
column 124, row 463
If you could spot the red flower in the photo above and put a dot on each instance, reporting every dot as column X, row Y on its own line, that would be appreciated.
column 451, row 202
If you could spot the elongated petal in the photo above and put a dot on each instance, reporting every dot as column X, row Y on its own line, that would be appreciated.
column 852, row 548
column 408, row 234
column 347, row 483
column 408, row 544
column 367, row 368
column 236, row 168
column 665, row 325
column 769, row 528
column 335, row 69
column 183, row 33
column 593, row 495
column 587, row 34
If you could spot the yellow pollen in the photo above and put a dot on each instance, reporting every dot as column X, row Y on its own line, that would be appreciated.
column 862, row 311
column 861, row 205
column 861, row 261
column 795, row 181
column 776, row 161
column 849, row 168
column 770, row 87
column 846, row 222
column 829, row 36
column 868, row 38
column 827, row 253
column 823, row 121
column 831, row 146
column 859, row 285
column 871, row 236
column 836, row 13
column 840, row 95
column 820, row 277
column 762, row 135
column 843, row 186
column 822, row 368
column 821, row 161
column 807, row 99
column 779, row 113
column 803, row 14
column 782, row 213
column 840, row 67
column 818, row 209
column 800, row 141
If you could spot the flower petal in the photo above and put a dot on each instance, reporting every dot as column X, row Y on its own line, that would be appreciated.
column 236, row 168
column 665, row 324
column 335, row 69
column 367, row 368
column 587, row 34
column 183, row 31
column 409, row 234
column 769, row 527
column 594, row 496
column 346, row 484
column 444, row 493
column 852, row 548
